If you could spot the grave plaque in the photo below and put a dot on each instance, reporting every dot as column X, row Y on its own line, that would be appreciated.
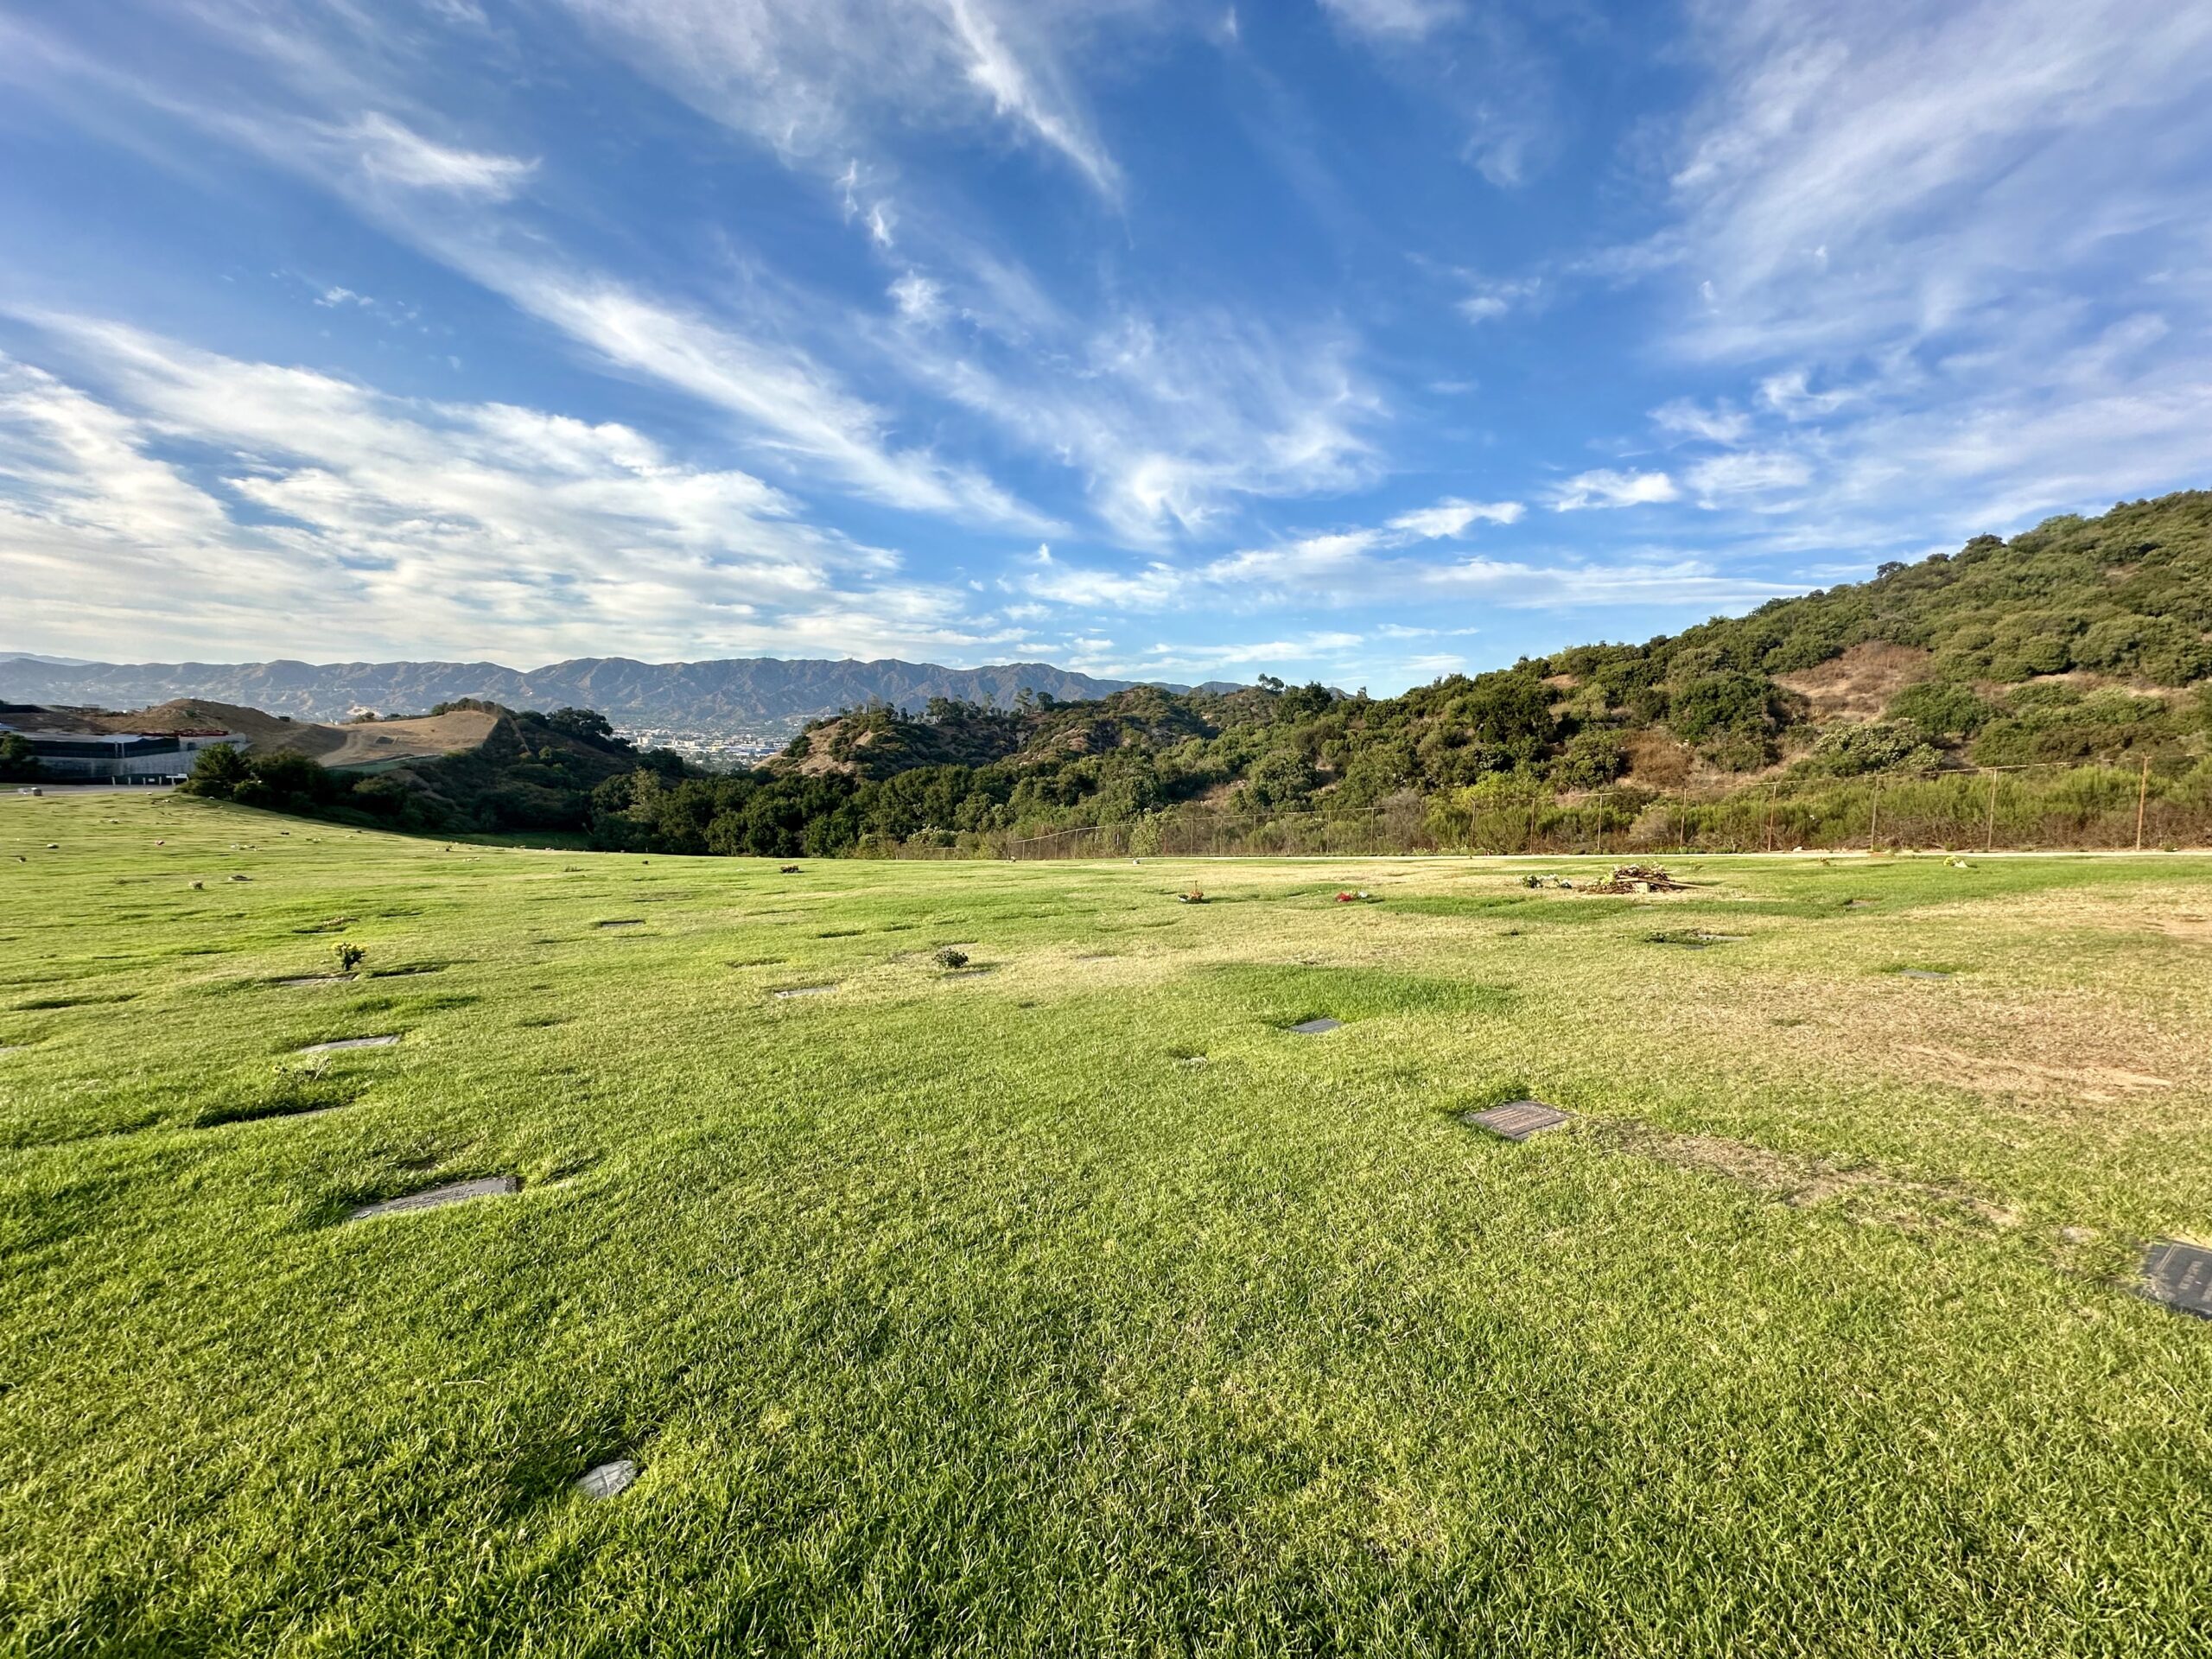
column 437, row 1196
column 1315, row 1027
column 1517, row 1119
column 609, row 1479
column 2179, row 1275
column 347, row 1042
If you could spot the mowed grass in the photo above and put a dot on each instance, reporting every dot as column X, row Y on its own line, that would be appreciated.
column 1076, row 1304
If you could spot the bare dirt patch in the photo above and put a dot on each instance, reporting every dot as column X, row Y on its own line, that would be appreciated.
column 372, row 742
column 1858, row 685
column 1992, row 1075
column 1867, row 1192
column 1657, row 761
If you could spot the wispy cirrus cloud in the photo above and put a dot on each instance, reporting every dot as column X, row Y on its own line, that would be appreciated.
column 390, row 152
column 814, row 77
column 1353, row 569
column 1483, row 62
column 1859, row 175
column 1173, row 421
column 1393, row 19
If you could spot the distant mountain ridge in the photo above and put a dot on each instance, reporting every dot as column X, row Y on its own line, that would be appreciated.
column 764, row 695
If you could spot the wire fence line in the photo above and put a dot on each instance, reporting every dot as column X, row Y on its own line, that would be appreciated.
column 2048, row 805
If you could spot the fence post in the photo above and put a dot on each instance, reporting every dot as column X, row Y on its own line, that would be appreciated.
column 1989, row 841
column 2142, row 802
column 1874, row 824
column 1601, row 823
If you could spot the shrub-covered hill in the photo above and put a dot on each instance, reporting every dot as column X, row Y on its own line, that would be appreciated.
column 2081, row 640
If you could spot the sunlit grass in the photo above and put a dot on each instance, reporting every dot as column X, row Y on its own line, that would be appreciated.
column 1077, row 1304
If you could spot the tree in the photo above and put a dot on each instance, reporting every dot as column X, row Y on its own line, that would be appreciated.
column 218, row 772
column 18, row 760
column 587, row 724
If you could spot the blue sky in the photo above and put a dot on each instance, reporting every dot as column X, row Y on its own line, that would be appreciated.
column 1363, row 340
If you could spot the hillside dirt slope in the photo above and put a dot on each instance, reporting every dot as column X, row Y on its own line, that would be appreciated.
column 365, row 744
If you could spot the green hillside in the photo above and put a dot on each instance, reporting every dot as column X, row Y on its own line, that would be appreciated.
column 2082, row 640
column 2082, row 643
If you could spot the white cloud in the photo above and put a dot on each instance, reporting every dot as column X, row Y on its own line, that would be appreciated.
column 1747, row 473
column 1507, row 110
column 1488, row 301
column 814, row 77
column 1173, row 421
column 1452, row 516
column 1393, row 20
column 1685, row 418
column 1629, row 583
column 1790, row 396
column 1370, row 568
column 800, row 407
column 1153, row 587
column 919, row 299
column 389, row 152
column 1606, row 488
column 327, row 516
column 1861, row 173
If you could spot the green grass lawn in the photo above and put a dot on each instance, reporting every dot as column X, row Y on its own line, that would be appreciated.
column 1076, row 1304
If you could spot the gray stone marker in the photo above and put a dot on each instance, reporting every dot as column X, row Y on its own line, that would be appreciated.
column 2179, row 1276
column 1315, row 1027
column 348, row 1042
column 315, row 979
column 609, row 1479
column 1517, row 1119
column 1922, row 973
column 435, row 1197
column 807, row 990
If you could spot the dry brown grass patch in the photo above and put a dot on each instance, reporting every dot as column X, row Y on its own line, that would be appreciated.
column 1868, row 1193
column 1990, row 1075
column 1858, row 685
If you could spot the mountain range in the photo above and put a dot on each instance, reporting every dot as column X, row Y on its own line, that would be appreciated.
column 760, row 696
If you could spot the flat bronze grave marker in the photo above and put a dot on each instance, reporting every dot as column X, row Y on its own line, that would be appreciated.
column 1517, row 1119
column 1315, row 1027
column 436, row 1197
column 2179, row 1276
column 607, row 1479
column 1923, row 973
column 348, row 1042
column 313, row 979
